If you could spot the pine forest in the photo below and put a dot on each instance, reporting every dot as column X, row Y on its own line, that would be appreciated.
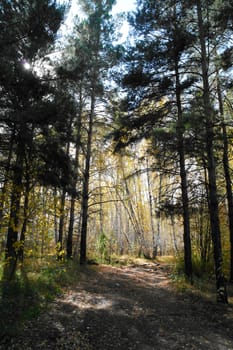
column 115, row 150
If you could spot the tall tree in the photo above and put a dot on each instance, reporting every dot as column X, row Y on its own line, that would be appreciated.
column 210, row 119
column 224, row 20
column 155, row 90
column 93, row 46
column 27, row 30
column 226, row 167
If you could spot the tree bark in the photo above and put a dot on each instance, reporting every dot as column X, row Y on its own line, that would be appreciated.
column 183, row 177
column 151, row 208
column 61, row 226
column 226, row 168
column 211, row 166
column 25, row 221
column 6, row 176
column 85, row 190
column 55, row 217
column 11, row 253
column 69, row 245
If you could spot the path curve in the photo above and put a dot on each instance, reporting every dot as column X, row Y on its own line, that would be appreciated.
column 128, row 308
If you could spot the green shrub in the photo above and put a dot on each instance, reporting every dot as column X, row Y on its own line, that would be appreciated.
column 31, row 290
column 102, row 246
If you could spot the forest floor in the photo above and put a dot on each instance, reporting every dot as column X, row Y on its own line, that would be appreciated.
column 127, row 308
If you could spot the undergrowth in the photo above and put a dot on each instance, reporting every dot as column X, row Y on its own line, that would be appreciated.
column 40, row 281
column 34, row 286
column 203, row 279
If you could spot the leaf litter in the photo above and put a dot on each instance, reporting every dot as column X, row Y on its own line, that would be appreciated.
column 128, row 308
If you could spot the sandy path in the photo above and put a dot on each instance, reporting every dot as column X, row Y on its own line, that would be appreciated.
column 128, row 308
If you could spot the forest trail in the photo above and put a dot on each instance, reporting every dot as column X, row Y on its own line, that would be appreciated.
column 128, row 308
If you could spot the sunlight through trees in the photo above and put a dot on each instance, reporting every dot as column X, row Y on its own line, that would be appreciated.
column 113, row 145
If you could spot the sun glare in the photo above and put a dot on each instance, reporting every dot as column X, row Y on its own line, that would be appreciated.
column 27, row 65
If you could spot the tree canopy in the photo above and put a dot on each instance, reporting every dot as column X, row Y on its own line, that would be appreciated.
column 111, row 148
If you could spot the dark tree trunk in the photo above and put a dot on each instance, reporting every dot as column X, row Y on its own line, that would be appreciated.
column 226, row 168
column 211, row 167
column 55, row 217
column 85, row 191
column 26, row 198
column 183, row 177
column 69, row 244
column 11, row 253
column 6, row 177
column 25, row 221
column 229, row 196
column 61, row 226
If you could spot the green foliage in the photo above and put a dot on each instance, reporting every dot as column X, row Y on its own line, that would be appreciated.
column 201, row 270
column 122, row 260
column 102, row 246
column 31, row 290
column 203, row 278
column 180, row 282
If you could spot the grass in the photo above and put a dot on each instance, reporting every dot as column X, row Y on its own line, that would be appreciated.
column 204, row 284
column 122, row 260
column 203, row 275
column 31, row 291
column 203, row 278
column 40, row 281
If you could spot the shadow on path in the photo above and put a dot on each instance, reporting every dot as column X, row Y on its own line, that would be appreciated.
column 128, row 308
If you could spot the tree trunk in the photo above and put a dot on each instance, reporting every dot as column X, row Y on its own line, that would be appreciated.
column 27, row 171
column 11, row 253
column 61, row 226
column 25, row 221
column 55, row 217
column 69, row 243
column 151, row 207
column 226, row 168
column 69, row 246
column 173, row 233
column 211, row 167
column 85, row 191
column 101, row 216
column 6, row 176
column 183, row 176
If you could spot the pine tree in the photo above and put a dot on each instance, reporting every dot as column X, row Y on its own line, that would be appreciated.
column 27, row 30
column 208, row 37
column 93, row 48
column 154, row 88
column 224, row 20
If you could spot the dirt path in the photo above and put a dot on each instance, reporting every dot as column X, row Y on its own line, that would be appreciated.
column 128, row 308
